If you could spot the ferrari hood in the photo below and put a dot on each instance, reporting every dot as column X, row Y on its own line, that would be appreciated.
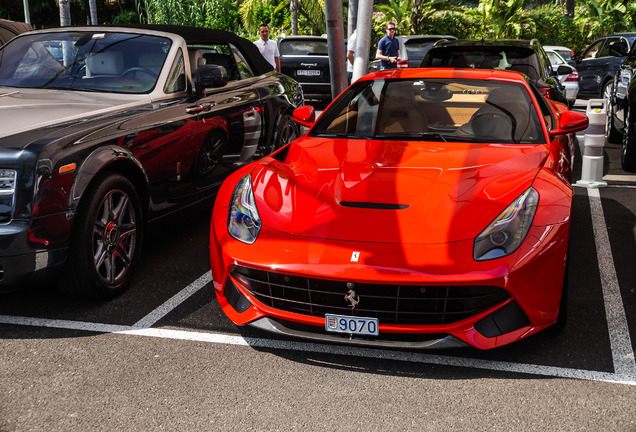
column 392, row 191
column 25, row 109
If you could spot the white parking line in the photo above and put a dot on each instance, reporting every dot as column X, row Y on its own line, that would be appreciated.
column 620, row 341
column 173, row 302
column 311, row 347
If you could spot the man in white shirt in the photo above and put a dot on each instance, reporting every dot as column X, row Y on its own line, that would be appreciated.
column 351, row 52
column 268, row 48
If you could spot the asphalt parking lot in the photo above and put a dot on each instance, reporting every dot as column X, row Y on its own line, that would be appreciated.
column 164, row 357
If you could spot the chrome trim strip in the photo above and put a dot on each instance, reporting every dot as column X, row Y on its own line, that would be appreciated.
column 272, row 326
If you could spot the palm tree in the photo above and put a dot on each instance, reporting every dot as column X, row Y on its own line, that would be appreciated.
column 607, row 16
column 312, row 11
column 92, row 5
column 502, row 18
column 65, row 13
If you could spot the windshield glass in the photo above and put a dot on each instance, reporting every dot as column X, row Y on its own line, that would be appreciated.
column 417, row 48
column 303, row 47
column 434, row 110
column 92, row 61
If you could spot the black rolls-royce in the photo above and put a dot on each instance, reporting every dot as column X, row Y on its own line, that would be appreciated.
column 104, row 128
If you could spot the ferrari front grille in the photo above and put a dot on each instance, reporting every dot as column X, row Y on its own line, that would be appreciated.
column 391, row 304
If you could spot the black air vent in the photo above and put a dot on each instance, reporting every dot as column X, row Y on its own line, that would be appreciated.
column 391, row 304
column 369, row 205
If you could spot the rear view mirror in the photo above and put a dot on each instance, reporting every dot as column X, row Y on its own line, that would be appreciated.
column 304, row 115
column 564, row 70
column 436, row 93
column 570, row 122
column 209, row 76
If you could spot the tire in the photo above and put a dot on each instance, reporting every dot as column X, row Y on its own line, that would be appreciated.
column 606, row 92
column 563, row 305
column 628, row 150
column 612, row 134
column 106, row 240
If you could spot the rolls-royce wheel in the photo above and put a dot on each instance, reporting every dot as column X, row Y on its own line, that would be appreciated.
column 106, row 240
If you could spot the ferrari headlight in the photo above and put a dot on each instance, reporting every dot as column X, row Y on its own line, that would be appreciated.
column 243, row 221
column 504, row 235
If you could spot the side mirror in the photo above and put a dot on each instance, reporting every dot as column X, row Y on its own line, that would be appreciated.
column 570, row 122
column 564, row 70
column 304, row 115
column 618, row 49
column 209, row 76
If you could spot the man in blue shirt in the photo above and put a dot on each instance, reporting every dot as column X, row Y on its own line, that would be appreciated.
column 388, row 48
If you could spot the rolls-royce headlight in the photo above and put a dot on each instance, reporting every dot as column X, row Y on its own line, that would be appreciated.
column 506, row 233
column 243, row 221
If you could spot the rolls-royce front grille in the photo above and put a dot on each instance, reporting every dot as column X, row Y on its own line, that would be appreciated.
column 391, row 304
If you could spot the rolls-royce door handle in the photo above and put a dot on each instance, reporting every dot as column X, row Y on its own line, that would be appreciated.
column 200, row 108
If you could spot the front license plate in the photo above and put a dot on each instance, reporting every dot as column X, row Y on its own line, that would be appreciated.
column 351, row 325
column 308, row 72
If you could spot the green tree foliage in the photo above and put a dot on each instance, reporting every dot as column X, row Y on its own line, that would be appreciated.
column 276, row 13
column 502, row 18
column 218, row 14
column 552, row 27
column 254, row 12
column 601, row 17
column 543, row 19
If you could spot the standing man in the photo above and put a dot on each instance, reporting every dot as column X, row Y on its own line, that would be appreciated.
column 351, row 52
column 388, row 48
column 268, row 48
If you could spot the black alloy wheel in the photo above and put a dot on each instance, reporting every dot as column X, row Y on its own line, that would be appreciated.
column 628, row 150
column 106, row 241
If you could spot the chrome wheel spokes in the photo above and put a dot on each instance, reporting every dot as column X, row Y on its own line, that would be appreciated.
column 114, row 237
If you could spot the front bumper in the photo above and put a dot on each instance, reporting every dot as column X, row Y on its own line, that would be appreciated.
column 31, row 251
column 532, row 276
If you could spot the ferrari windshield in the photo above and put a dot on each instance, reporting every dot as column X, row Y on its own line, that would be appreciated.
column 434, row 110
column 78, row 60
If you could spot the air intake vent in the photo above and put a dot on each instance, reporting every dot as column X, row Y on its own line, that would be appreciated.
column 370, row 205
column 391, row 304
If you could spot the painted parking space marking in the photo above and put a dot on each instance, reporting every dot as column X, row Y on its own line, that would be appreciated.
column 620, row 341
column 217, row 338
column 174, row 301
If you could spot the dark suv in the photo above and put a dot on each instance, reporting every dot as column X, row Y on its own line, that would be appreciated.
column 621, row 117
column 306, row 59
column 597, row 66
column 527, row 56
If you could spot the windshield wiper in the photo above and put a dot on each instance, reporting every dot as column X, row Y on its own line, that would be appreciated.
column 342, row 135
column 72, row 88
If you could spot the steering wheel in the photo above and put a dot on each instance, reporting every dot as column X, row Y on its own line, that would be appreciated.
column 139, row 69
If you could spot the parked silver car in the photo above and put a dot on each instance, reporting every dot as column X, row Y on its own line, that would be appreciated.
column 565, row 52
column 570, row 80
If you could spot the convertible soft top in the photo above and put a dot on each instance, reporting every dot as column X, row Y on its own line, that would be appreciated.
column 198, row 35
column 194, row 35
column 10, row 29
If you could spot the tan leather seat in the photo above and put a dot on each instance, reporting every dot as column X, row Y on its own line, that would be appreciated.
column 399, row 111
column 108, row 63
column 196, row 59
